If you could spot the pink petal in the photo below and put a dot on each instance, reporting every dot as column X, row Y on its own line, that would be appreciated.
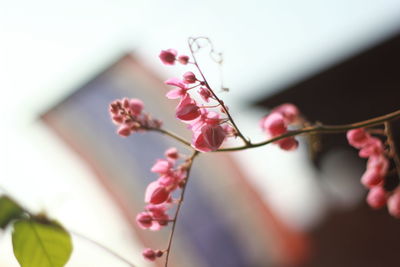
column 176, row 82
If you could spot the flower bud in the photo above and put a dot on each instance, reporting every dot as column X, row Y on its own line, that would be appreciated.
column 168, row 56
column 183, row 59
column 189, row 77
column 149, row 254
column 394, row 204
column 144, row 220
column 376, row 197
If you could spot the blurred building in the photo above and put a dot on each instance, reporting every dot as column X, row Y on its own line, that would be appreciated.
column 224, row 222
column 361, row 87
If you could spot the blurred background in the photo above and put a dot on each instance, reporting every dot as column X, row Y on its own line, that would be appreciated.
column 62, row 62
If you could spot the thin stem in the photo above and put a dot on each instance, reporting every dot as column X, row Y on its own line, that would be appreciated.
column 171, row 236
column 190, row 42
column 393, row 152
column 103, row 247
column 320, row 128
column 171, row 134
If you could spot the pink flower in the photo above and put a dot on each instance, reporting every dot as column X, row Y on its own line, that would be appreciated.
column 124, row 130
column 183, row 59
column 156, row 193
column 187, row 109
column 209, row 138
column 144, row 220
column 117, row 119
column 289, row 111
column 379, row 163
column 170, row 181
column 358, row 138
column 206, row 117
column 189, row 77
column 157, row 210
column 274, row 124
column 372, row 147
column 176, row 82
column 371, row 178
column 179, row 92
column 376, row 197
column 172, row 153
column 205, row 94
column 288, row 144
column 214, row 136
column 125, row 102
column 394, row 204
column 159, row 216
column 162, row 166
column 168, row 56
column 149, row 254
column 135, row 106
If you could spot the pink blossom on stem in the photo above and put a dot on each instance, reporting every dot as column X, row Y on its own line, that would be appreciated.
column 274, row 124
column 136, row 106
column 124, row 130
column 358, row 138
column 162, row 166
column 371, row 178
column 178, row 92
column 394, row 204
column 157, row 210
column 149, row 254
column 170, row 181
column 187, row 109
column 379, row 163
column 206, row 117
column 189, row 77
column 205, row 94
column 214, row 135
column 289, row 111
column 168, row 56
column 183, row 59
column 172, row 153
column 288, row 143
column 376, row 197
column 156, row 193
column 373, row 147
column 209, row 138
column 144, row 220
column 117, row 119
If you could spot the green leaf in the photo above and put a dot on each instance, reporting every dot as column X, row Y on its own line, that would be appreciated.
column 41, row 243
column 9, row 210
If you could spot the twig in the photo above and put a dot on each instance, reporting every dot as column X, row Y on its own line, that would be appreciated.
column 171, row 134
column 320, row 128
column 190, row 42
column 171, row 236
column 103, row 247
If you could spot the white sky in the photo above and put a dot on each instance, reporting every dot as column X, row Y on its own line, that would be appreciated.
column 49, row 47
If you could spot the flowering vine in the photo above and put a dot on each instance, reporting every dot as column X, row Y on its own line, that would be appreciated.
column 208, row 118
column 211, row 124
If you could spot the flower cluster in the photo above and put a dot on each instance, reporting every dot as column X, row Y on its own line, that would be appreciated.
column 158, row 193
column 128, row 115
column 210, row 128
column 276, row 123
column 169, row 56
column 372, row 148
